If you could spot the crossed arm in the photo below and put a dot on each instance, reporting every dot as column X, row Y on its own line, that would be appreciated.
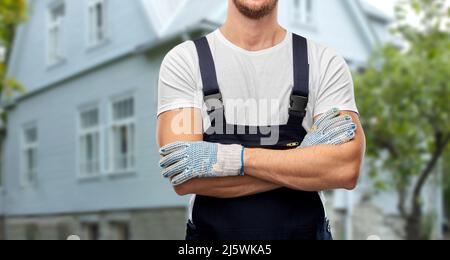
column 308, row 169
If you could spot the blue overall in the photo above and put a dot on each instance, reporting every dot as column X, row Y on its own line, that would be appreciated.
column 282, row 214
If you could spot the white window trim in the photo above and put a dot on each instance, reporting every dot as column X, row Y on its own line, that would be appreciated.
column 89, row 41
column 50, row 25
column 303, row 22
column 117, row 123
column 81, row 132
column 24, row 181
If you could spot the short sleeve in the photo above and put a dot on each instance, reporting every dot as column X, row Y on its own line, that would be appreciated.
column 177, row 85
column 335, row 88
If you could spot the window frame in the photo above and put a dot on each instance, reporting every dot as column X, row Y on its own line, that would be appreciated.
column 59, row 25
column 92, row 41
column 24, row 147
column 115, row 227
column 300, row 16
column 112, row 124
column 84, row 132
column 91, row 230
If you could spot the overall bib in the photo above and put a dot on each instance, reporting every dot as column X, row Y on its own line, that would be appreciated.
column 282, row 214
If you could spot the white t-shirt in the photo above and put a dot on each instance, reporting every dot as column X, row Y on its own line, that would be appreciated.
column 255, row 85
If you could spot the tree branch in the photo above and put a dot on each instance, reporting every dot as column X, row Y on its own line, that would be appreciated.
column 446, row 140
column 402, row 200
column 439, row 150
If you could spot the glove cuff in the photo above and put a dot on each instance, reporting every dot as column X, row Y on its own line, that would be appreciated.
column 229, row 160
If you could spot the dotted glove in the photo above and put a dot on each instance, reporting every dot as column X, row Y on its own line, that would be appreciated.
column 183, row 161
column 331, row 128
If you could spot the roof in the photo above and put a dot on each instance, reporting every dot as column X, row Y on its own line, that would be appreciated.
column 169, row 21
column 376, row 13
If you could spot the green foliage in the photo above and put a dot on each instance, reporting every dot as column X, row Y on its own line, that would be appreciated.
column 12, row 12
column 428, row 224
column 404, row 100
column 404, row 95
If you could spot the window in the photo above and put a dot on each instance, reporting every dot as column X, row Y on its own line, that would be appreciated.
column 123, row 135
column 31, row 232
column 89, row 143
column 55, row 33
column 91, row 231
column 120, row 231
column 29, row 155
column 303, row 12
column 96, row 22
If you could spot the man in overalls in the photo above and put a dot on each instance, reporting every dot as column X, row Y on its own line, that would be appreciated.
column 233, row 109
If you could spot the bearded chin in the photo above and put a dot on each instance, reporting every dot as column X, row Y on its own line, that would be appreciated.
column 255, row 13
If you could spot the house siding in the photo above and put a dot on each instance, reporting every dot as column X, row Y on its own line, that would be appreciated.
column 126, row 28
column 338, row 31
column 55, row 114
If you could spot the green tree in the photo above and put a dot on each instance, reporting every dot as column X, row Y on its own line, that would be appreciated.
column 12, row 12
column 404, row 103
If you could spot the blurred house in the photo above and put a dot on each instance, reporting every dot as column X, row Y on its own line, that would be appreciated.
column 80, row 154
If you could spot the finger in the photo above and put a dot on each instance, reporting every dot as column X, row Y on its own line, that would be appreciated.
column 327, row 116
column 170, row 148
column 182, row 178
column 343, row 138
column 341, row 130
column 172, row 158
column 335, row 123
column 174, row 169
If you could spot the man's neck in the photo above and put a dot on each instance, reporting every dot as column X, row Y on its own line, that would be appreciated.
column 251, row 34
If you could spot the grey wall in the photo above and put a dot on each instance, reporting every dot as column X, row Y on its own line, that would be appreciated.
column 55, row 113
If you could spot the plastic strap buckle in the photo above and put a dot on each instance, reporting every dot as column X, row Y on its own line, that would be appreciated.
column 298, row 104
column 214, row 102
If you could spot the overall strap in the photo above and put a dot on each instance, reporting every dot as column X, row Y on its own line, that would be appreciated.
column 212, row 96
column 298, row 100
column 300, row 92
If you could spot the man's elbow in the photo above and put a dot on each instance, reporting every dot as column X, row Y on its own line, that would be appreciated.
column 352, row 176
column 182, row 190
column 353, row 166
column 352, row 181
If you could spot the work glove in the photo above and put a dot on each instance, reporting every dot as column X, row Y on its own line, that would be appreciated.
column 183, row 161
column 331, row 128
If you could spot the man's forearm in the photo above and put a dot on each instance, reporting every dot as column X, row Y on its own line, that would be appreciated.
column 228, row 187
column 314, row 168
column 310, row 169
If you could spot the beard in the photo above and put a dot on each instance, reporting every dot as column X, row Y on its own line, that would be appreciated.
column 255, row 12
